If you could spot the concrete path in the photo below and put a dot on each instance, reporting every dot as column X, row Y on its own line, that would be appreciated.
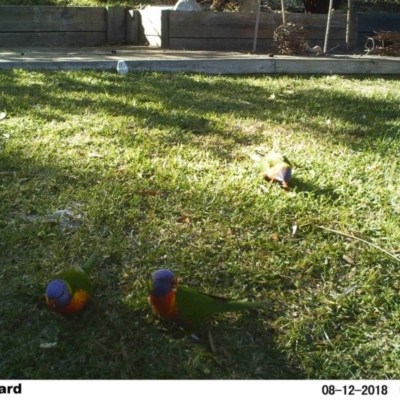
column 140, row 58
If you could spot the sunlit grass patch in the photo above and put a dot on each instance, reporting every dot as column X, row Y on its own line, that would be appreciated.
column 154, row 171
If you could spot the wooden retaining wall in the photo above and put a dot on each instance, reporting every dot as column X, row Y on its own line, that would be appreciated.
column 234, row 31
column 159, row 26
column 368, row 23
column 66, row 26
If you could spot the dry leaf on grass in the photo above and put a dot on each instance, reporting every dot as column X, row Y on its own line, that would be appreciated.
column 349, row 289
column 120, row 170
column 348, row 259
column 184, row 219
column 48, row 345
column 275, row 237
column 95, row 155
column 150, row 193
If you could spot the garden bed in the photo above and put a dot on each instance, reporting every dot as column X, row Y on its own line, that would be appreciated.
column 161, row 27
column 368, row 23
column 234, row 31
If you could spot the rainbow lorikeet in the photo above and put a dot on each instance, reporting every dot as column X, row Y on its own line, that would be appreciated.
column 188, row 306
column 69, row 290
column 277, row 167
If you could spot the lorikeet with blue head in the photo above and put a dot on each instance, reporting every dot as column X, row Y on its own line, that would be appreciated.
column 277, row 167
column 187, row 306
column 70, row 290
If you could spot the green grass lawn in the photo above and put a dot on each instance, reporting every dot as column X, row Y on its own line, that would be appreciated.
column 128, row 156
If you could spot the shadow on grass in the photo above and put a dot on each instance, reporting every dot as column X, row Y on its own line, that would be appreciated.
column 113, row 338
column 186, row 106
column 303, row 186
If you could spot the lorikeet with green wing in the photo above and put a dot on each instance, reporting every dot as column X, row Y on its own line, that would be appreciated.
column 187, row 306
column 69, row 290
column 277, row 167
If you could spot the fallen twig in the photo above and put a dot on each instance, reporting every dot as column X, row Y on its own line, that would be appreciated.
column 359, row 239
column 333, row 48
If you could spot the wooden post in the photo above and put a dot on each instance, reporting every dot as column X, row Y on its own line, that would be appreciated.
column 132, row 26
column 256, row 26
column 283, row 12
column 116, row 26
column 328, row 25
column 165, row 29
column 348, row 23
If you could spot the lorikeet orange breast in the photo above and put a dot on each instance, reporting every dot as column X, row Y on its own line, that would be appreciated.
column 165, row 306
column 187, row 306
column 69, row 291
column 163, row 294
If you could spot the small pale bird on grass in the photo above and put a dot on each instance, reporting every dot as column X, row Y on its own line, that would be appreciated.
column 277, row 167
